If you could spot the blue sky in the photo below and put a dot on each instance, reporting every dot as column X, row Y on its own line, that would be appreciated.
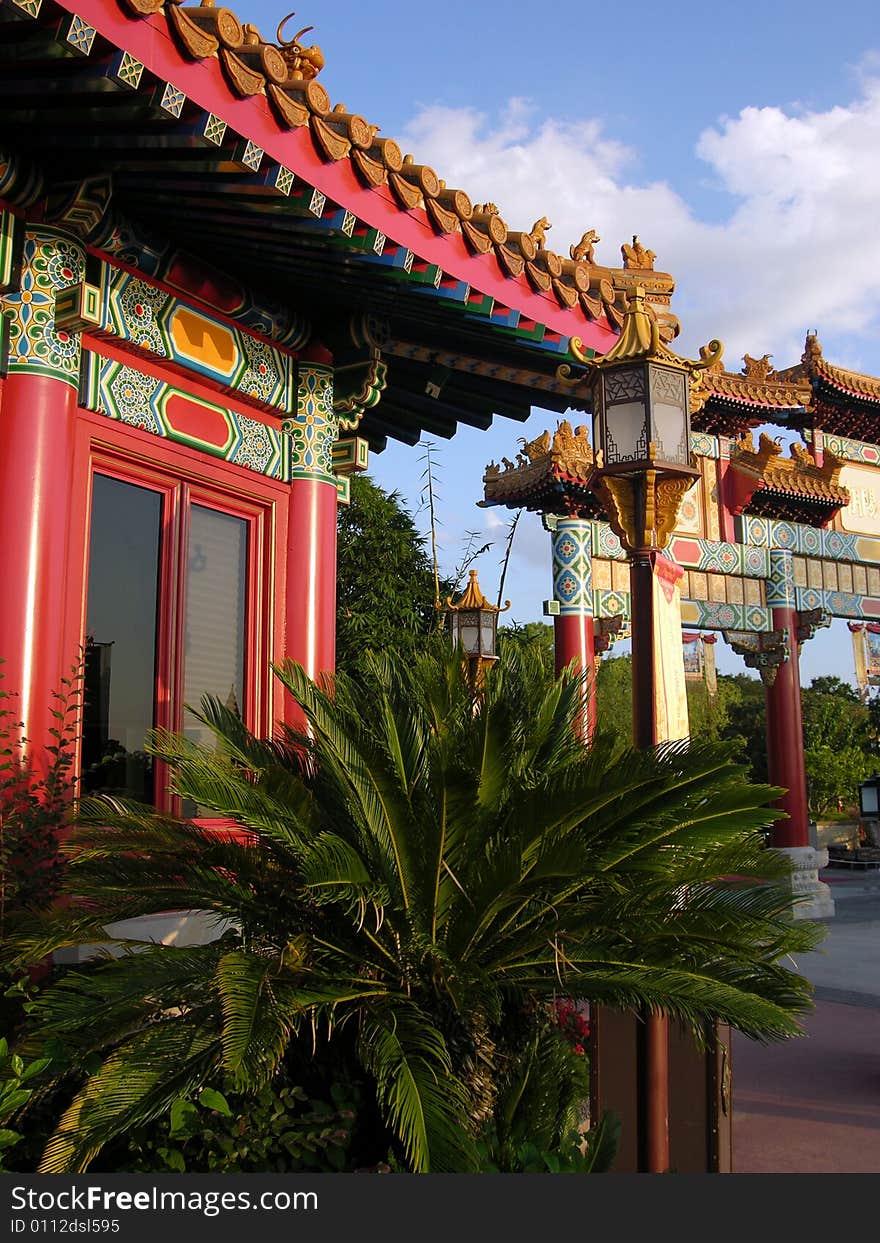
column 740, row 142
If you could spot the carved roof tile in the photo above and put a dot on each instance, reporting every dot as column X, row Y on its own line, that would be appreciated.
column 286, row 71
column 795, row 475
column 551, row 474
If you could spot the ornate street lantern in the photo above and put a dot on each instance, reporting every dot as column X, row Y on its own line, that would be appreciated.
column 642, row 399
column 642, row 396
column 473, row 624
column 869, row 798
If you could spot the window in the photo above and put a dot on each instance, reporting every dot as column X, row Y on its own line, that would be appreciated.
column 121, row 631
column 174, row 611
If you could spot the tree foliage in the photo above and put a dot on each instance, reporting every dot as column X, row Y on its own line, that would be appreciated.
column 837, row 744
column 385, row 585
column 428, row 869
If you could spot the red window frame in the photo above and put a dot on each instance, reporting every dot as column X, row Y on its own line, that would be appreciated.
column 184, row 477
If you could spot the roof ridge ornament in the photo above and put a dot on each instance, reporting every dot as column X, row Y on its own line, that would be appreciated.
column 583, row 251
column 304, row 63
column 636, row 256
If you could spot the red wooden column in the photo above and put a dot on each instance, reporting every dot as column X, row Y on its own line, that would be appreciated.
column 573, row 626
column 785, row 747
column 785, row 731
column 310, row 632
column 37, row 419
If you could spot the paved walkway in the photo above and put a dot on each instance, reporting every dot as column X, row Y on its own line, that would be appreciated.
column 812, row 1106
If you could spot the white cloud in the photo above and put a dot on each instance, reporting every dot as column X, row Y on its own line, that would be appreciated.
column 799, row 248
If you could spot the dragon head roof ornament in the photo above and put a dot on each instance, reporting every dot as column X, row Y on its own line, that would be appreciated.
column 305, row 63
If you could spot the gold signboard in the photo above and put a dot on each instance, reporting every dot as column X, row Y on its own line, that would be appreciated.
column 862, row 514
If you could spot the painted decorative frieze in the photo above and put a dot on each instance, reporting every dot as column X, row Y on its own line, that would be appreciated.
column 572, row 566
column 799, row 538
column 157, row 323
column 128, row 395
column 720, row 615
column 696, row 614
column 719, row 557
column 52, row 261
column 157, row 257
column 312, row 432
column 837, row 603
column 780, row 581
column 704, row 445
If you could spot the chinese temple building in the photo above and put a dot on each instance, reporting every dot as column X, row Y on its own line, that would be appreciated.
column 220, row 291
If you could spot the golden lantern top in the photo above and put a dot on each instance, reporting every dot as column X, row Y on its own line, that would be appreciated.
column 640, row 340
column 473, row 622
column 472, row 599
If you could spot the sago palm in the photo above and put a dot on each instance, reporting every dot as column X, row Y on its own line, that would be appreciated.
column 429, row 866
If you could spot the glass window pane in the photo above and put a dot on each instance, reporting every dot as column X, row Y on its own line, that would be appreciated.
column 121, row 628
column 215, row 616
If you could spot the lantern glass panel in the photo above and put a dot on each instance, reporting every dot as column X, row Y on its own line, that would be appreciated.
column 868, row 798
column 625, row 423
column 626, row 433
column 487, row 634
column 470, row 639
column 598, row 419
column 669, row 415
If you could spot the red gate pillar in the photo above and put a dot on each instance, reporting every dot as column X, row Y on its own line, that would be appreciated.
column 785, row 746
column 310, row 629
column 37, row 420
column 573, row 626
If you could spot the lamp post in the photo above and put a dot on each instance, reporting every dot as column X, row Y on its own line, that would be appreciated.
column 642, row 397
column 473, row 626
column 869, row 807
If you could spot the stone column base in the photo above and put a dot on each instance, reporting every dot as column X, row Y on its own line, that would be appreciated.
column 815, row 897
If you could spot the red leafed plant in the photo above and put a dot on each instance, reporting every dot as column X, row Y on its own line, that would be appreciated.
column 573, row 1022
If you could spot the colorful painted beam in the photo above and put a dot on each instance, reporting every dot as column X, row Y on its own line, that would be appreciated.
column 837, row 603
column 153, row 322
column 704, row 445
column 194, row 279
column 695, row 614
column 121, row 392
column 808, row 541
column 719, row 557
column 707, row 556
column 852, row 450
column 717, row 615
